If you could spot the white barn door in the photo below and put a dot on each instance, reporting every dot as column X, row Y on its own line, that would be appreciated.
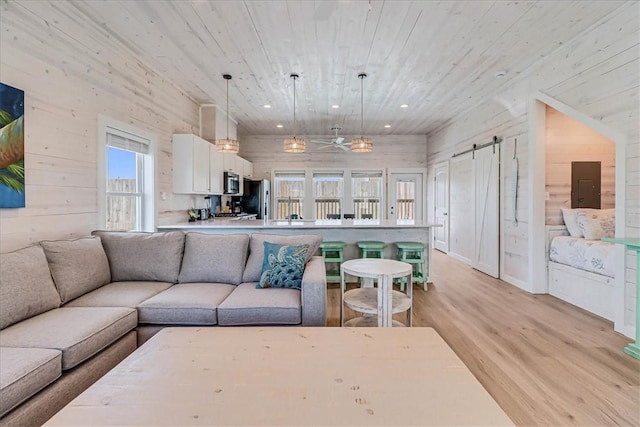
column 486, row 254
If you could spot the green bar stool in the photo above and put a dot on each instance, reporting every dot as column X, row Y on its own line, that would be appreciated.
column 332, row 253
column 371, row 249
column 412, row 253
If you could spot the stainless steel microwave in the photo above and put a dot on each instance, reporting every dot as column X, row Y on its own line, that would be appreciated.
column 231, row 183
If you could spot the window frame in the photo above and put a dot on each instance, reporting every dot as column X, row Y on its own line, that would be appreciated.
column 347, row 199
column 383, row 189
column 328, row 172
column 146, row 214
column 300, row 173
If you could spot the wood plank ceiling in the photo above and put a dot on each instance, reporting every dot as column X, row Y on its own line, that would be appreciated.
column 440, row 58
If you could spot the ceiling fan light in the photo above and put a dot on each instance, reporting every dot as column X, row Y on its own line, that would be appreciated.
column 294, row 145
column 229, row 146
column 362, row 145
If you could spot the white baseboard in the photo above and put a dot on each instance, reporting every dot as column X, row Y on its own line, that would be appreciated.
column 516, row 282
column 460, row 258
column 626, row 330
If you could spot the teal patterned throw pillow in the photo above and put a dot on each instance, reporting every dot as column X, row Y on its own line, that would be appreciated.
column 283, row 266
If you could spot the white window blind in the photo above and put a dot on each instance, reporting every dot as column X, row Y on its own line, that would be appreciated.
column 125, row 141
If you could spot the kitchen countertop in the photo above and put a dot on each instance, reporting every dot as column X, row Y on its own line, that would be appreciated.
column 226, row 223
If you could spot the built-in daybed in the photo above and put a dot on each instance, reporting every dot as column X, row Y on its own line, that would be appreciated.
column 580, row 264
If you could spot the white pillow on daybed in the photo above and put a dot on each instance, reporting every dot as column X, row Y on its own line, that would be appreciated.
column 596, row 223
column 569, row 216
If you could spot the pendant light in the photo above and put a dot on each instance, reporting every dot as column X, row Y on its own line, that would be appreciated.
column 295, row 144
column 230, row 146
column 362, row 144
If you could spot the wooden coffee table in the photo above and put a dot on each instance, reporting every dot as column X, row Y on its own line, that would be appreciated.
column 287, row 376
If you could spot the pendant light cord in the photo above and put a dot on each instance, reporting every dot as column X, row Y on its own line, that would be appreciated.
column 295, row 130
column 361, row 105
column 228, row 108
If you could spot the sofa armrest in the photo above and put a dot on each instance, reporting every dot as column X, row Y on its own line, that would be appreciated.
column 314, row 293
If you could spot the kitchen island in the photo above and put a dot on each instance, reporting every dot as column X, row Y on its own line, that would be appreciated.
column 348, row 231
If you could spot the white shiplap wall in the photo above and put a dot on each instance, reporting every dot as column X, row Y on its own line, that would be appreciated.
column 597, row 74
column 389, row 151
column 70, row 73
column 566, row 141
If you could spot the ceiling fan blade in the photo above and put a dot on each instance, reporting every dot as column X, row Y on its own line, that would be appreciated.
column 343, row 147
column 339, row 140
column 324, row 147
column 323, row 142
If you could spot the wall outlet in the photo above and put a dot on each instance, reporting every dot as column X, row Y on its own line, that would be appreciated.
column 546, row 195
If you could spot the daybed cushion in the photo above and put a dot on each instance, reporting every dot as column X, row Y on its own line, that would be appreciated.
column 120, row 294
column 24, row 372
column 77, row 266
column 250, row 306
column 253, row 269
column 79, row 332
column 143, row 256
column 214, row 258
column 26, row 287
column 185, row 304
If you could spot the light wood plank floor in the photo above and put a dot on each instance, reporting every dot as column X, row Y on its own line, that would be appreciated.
column 546, row 362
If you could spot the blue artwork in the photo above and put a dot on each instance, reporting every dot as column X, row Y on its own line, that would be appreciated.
column 11, row 147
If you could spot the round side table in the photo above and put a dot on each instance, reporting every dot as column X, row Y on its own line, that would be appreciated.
column 379, row 303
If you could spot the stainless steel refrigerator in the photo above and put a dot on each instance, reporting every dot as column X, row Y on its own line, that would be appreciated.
column 256, row 198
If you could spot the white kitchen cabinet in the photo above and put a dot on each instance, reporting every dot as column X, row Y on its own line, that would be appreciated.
column 247, row 168
column 190, row 164
column 236, row 164
column 216, row 171
column 232, row 163
column 197, row 166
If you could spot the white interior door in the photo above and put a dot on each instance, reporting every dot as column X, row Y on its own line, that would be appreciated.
column 487, row 201
column 441, row 207
column 461, row 208
column 405, row 196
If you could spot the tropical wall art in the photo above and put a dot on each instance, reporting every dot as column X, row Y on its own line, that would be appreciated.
column 11, row 147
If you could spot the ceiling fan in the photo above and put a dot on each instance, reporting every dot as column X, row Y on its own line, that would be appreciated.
column 336, row 141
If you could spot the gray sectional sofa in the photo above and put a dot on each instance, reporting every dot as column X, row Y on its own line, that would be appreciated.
column 71, row 310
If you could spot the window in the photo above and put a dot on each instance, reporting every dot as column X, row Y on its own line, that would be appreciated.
column 289, row 194
column 128, row 180
column 405, row 199
column 366, row 191
column 327, row 194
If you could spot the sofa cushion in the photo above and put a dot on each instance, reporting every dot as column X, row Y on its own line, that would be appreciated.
column 143, row 256
column 24, row 372
column 78, row 332
column 77, row 266
column 120, row 294
column 250, row 306
column 283, row 266
column 253, row 269
column 214, row 258
column 26, row 287
column 185, row 304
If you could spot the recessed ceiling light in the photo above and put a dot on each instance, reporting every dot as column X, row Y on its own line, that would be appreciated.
column 335, row 106
column 279, row 126
column 501, row 73
column 404, row 106
column 387, row 126
column 267, row 106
